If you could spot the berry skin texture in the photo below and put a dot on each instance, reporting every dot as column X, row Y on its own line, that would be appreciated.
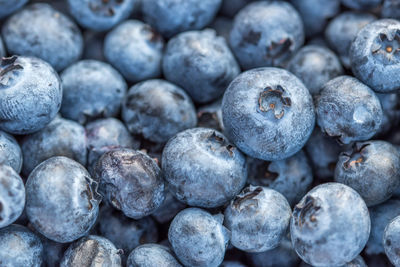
column 348, row 110
column 62, row 202
column 375, row 55
column 152, row 255
column 41, row 31
column 381, row 215
column 157, row 110
column 268, row 113
column 314, row 66
column 198, row 238
column 391, row 243
column 201, row 63
column 258, row 219
column 130, row 181
column 100, row 15
column 371, row 168
column 10, row 151
column 60, row 137
column 135, row 49
column 342, row 30
column 292, row 177
column 170, row 17
column 92, row 251
column 12, row 196
column 327, row 232
column 266, row 34
column 92, row 89
column 20, row 247
column 8, row 7
column 202, row 168
column 30, row 94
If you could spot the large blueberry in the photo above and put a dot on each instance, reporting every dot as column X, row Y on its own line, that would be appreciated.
column 348, row 110
column 8, row 7
column 258, row 219
column 157, row 110
column 100, row 15
column 41, row 31
column 92, row 89
column 60, row 137
column 170, row 17
column 314, row 66
column 92, row 251
column 62, row 202
column 198, row 238
column 135, row 49
column 201, row 63
column 30, row 94
column 20, row 247
column 371, row 168
column 10, row 151
column 12, row 196
column 203, row 168
column 152, row 255
column 330, row 226
column 292, row 177
column 375, row 55
column 268, row 113
column 130, row 181
column 266, row 33
column 342, row 30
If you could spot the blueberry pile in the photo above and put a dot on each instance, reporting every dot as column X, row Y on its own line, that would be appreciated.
column 199, row 133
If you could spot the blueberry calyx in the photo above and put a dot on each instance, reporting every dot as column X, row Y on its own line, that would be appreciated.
column 273, row 100
column 355, row 156
column 215, row 138
column 387, row 47
column 246, row 198
column 8, row 69
column 306, row 212
column 280, row 49
column 104, row 7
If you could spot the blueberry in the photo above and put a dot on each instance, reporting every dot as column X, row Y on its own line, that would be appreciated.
column 315, row 66
column 8, row 7
column 92, row 251
column 202, row 168
column 168, row 209
column 125, row 233
column 323, row 152
column 361, row 4
column 371, row 168
column 170, row 17
column 381, row 215
column 316, row 13
column 330, row 226
column 283, row 255
column 348, row 110
column 152, row 255
column 41, row 31
column 391, row 9
column 342, row 30
column 266, row 34
column 20, row 247
column 375, row 55
column 61, row 199
column 201, row 63
column 391, row 111
column 292, row 177
column 100, row 15
column 268, row 113
column 258, row 219
column 10, row 152
column 12, row 196
column 391, row 239
column 210, row 116
column 59, row 138
column 130, row 181
column 104, row 135
column 198, row 238
column 157, row 110
column 135, row 49
column 30, row 94
column 92, row 89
